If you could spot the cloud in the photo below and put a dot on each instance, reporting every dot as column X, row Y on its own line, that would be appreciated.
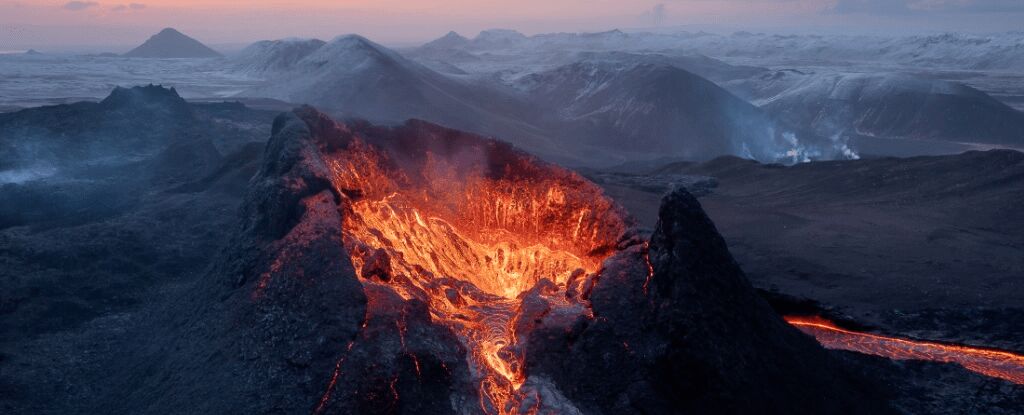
column 128, row 7
column 79, row 5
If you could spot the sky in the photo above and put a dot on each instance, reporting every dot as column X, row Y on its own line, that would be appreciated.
column 120, row 24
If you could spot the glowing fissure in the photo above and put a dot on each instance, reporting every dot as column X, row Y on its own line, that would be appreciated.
column 989, row 362
column 650, row 267
column 469, row 239
column 326, row 397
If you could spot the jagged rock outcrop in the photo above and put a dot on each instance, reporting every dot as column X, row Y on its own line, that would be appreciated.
column 689, row 335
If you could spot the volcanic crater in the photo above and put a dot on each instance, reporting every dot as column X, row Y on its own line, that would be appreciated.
column 420, row 269
column 472, row 228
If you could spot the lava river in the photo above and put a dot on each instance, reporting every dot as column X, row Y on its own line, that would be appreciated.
column 989, row 362
column 471, row 233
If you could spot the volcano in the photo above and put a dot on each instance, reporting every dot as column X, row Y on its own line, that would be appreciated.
column 418, row 269
column 170, row 43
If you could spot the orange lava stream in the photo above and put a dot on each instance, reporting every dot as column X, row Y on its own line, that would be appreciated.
column 994, row 363
column 470, row 242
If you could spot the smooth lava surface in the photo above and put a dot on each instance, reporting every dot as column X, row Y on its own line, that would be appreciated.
column 995, row 363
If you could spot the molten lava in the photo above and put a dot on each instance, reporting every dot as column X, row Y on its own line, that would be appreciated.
column 994, row 363
column 470, row 230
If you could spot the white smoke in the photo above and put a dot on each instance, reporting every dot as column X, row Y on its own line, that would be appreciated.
column 797, row 152
column 840, row 144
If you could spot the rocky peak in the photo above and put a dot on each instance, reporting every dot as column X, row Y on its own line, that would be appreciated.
column 170, row 43
column 148, row 96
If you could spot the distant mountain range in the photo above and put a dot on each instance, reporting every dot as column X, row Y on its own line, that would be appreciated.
column 610, row 97
column 948, row 50
column 605, row 108
column 170, row 43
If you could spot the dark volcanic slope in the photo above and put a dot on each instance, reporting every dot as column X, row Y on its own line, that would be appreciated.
column 282, row 318
column 136, row 195
column 170, row 43
column 926, row 246
column 94, row 159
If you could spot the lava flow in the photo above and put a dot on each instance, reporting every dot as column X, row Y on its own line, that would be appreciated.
column 470, row 230
column 994, row 363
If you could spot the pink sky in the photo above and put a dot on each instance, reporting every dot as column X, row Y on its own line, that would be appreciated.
column 49, row 23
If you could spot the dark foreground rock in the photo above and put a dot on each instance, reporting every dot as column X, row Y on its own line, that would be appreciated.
column 692, row 337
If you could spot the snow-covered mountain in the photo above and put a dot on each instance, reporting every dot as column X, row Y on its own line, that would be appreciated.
column 454, row 54
column 648, row 110
column 886, row 105
column 706, row 67
column 351, row 76
column 270, row 57
column 607, row 108
column 951, row 50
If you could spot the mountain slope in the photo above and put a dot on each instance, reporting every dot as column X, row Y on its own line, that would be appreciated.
column 651, row 110
column 889, row 106
column 354, row 77
column 274, row 56
column 134, row 189
column 170, row 43
column 65, row 157
column 599, row 111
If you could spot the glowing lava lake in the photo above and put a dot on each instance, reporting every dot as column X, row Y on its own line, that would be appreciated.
column 468, row 234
